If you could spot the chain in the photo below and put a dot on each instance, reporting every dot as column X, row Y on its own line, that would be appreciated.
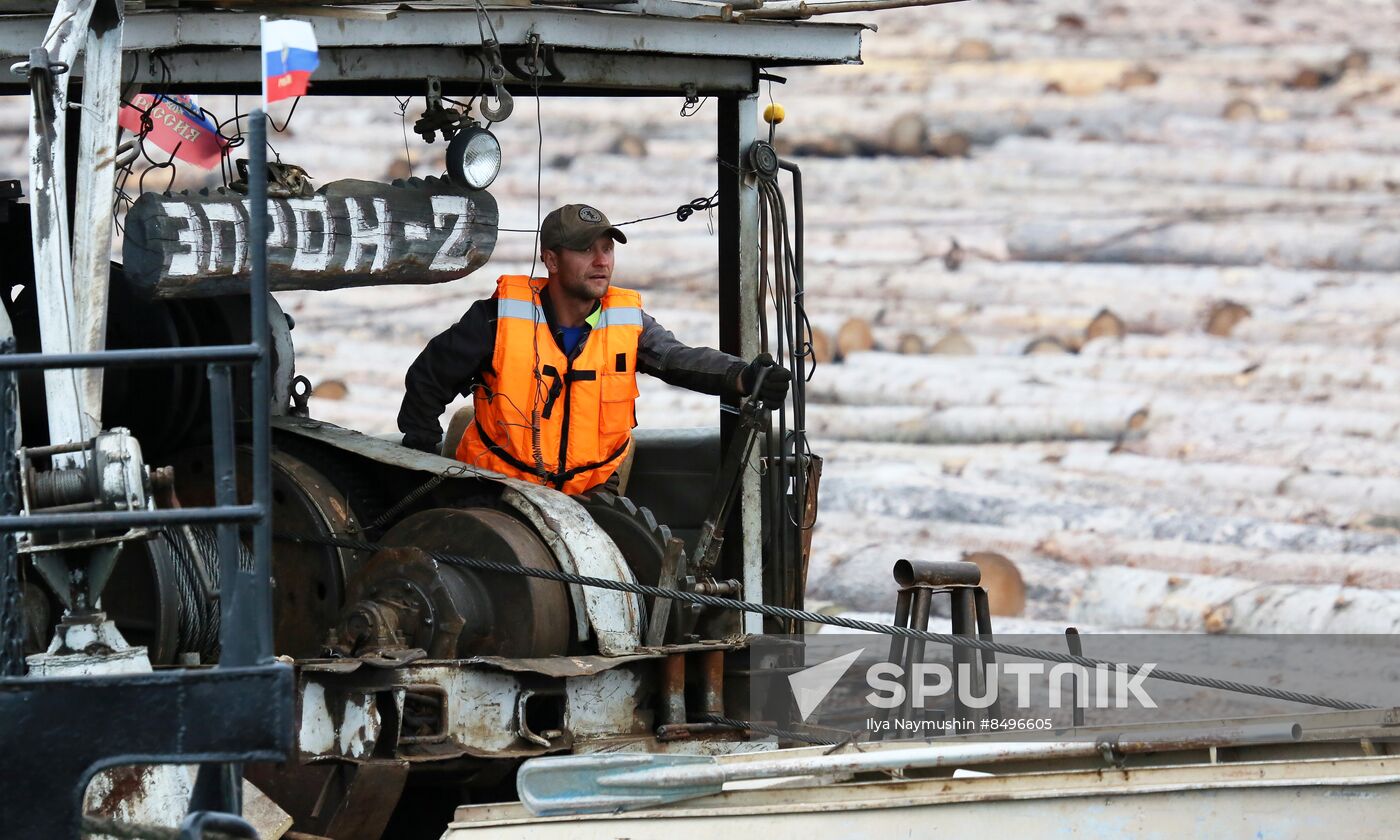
column 12, row 625
column 790, row 614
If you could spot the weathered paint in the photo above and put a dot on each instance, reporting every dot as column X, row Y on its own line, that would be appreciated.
column 151, row 794
column 772, row 44
column 350, row 233
column 96, row 170
column 69, row 420
column 582, row 547
column 338, row 721
column 1264, row 799
column 602, row 708
column 604, row 704
column 316, row 735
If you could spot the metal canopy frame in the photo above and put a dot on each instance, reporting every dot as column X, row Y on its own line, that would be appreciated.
column 382, row 49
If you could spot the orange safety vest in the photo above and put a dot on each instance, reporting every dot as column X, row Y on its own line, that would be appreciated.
column 541, row 417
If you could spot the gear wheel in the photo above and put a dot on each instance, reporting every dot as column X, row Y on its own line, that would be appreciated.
column 634, row 529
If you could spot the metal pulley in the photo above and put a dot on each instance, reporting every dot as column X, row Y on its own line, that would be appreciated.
column 108, row 474
column 403, row 599
column 763, row 160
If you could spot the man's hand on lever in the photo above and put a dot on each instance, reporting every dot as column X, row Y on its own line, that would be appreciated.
column 771, row 385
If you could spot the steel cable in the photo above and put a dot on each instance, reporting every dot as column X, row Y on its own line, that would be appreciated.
column 1150, row 672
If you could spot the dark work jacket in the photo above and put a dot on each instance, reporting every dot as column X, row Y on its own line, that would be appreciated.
column 452, row 361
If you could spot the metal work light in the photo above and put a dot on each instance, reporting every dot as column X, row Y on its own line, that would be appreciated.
column 474, row 157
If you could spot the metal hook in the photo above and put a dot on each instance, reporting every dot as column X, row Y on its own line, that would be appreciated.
column 505, row 103
column 496, row 74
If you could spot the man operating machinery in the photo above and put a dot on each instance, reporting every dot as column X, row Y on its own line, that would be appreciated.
column 551, row 364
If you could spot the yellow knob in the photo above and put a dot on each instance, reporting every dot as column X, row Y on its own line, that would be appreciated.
column 774, row 114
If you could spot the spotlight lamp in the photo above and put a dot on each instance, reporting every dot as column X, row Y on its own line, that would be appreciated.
column 474, row 157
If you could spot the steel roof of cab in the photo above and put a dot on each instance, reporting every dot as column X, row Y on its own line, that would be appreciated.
column 648, row 47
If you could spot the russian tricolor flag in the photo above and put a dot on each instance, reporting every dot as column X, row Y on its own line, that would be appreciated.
column 289, row 56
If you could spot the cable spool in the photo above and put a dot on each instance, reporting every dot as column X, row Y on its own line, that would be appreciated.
column 164, row 594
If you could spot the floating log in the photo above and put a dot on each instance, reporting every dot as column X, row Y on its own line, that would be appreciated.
column 1345, row 245
column 350, row 233
column 895, row 493
column 857, row 575
column 973, row 424
column 907, row 135
column 1119, row 597
column 1372, row 571
column 1046, row 345
column 953, row 343
column 823, row 348
column 1224, row 316
column 1295, row 171
column 330, row 389
column 909, row 344
column 1006, row 589
column 1105, row 325
column 854, row 336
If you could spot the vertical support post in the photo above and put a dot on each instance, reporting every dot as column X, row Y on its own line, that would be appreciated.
column 989, row 657
column 738, row 321
column 259, row 614
column 673, row 690
column 1076, row 647
column 53, row 254
column 918, row 620
column 964, row 658
column 12, row 624
column 232, row 638
column 96, row 178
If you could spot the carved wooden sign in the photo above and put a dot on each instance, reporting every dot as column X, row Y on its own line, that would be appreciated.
column 350, row 233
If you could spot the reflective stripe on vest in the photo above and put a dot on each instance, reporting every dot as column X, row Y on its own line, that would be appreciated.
column 523, row 309
column 544, row 417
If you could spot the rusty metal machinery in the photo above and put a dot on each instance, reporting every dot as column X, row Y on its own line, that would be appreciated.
column 403, row 599
column 165, row 407
column 640, row 538
column 308, row 580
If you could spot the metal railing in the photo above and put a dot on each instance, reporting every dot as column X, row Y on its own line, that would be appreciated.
column 239, row 711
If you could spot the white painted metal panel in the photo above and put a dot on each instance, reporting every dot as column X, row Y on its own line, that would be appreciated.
column 772, row 44
column 53, row 265
column 1259, row 799
column 92, row 219
column 583, row 548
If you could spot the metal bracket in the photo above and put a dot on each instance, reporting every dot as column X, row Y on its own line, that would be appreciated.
column 525, row 62
column 39, row 63
column 301, row 396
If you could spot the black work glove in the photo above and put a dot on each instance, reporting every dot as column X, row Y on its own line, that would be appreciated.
column 775, row 384
column 421, row 443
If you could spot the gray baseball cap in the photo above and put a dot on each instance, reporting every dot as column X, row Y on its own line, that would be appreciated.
column 576, row 227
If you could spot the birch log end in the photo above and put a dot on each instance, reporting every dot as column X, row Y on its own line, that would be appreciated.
column 1105, row 325
column 1006, row 589
column 854, row 336
column 909, row 344
column 954, row 343
column 1224, row 315
column 1046, row 345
